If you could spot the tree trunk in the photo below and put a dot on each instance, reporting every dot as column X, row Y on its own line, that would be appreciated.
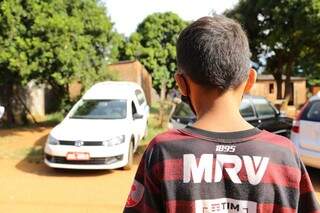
column 288, row 91
column 278, row 79
column 7, row 101
column 162, row 103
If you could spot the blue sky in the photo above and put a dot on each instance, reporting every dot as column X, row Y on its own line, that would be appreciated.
column 127, row 14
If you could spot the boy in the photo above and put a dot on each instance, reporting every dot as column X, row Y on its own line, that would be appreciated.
column 221, row 163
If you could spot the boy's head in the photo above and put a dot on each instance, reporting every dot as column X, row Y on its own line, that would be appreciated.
column 213, row 54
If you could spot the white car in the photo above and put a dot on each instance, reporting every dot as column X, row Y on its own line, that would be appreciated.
column 305, row 132
column 102, row 130
column 1, row 111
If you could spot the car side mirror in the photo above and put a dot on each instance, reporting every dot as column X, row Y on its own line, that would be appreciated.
column 2, row 110
column 177, row 100
column 137, row 116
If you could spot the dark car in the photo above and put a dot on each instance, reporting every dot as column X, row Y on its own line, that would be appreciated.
column 257, row 110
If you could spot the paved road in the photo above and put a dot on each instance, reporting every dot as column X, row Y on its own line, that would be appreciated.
column 28, row 186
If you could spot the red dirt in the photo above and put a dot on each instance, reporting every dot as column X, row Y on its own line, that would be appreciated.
column 27, row 185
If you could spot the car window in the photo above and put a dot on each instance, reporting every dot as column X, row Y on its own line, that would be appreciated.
column 183, row 110
column 140, row 97
column 263, row 107
column 134, row 108
column 246, row 109
column 313, row 113
column 101, row 109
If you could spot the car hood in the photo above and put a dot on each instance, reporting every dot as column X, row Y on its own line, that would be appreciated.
column 89, row 129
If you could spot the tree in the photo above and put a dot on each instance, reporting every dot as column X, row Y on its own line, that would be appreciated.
column 154, row 45
column 53, row 42
column 283, row 34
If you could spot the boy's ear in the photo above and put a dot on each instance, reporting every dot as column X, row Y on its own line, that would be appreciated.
column 181, row 82
column 251, row 80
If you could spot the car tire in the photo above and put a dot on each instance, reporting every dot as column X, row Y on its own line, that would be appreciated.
column 130, row 157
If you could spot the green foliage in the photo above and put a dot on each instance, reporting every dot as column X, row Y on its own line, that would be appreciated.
column 55, row 42
column 54, row 118
column 154, row 45
column 284, row 33
column 154, row 127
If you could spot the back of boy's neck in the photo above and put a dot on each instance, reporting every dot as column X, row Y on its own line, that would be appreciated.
column 221, row 117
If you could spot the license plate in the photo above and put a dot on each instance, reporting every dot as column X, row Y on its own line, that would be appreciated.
column 78, row 156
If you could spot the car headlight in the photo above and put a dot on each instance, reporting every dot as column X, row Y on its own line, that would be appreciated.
column 114, row 141
column 52, row 141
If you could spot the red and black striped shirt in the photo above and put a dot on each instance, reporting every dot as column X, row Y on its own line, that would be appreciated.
column 193, row 170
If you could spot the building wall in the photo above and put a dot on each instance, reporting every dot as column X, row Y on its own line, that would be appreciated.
column 264, row 88
column 300, row 93
column 134, row 71
column 261, row 88
column 35, row 100
column 28, row 102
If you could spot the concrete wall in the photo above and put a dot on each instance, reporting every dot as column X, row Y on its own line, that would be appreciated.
column 134, row 71
column 125, row 71
column 262, row 88
column 300, row 93
column 35, row 99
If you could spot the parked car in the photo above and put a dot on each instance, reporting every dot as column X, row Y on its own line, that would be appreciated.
column 306, row 132
column 102, row 130
column 1, row 111
column 255, row 109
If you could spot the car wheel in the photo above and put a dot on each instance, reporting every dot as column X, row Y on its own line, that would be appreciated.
column 130, row 158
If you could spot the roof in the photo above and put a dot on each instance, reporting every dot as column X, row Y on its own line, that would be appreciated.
column 112, row 90
column 268, row 77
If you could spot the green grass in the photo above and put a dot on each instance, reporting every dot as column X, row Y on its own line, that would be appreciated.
column 153, row 129
column 53, row 118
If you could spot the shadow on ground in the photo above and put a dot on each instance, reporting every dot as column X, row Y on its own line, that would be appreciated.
column 33, row 163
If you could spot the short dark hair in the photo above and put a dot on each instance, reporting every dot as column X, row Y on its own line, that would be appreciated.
column 214, row 52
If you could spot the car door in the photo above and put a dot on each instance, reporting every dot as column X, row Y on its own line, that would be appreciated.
column 247, row 111
column 138, row 122
column 267, row 116
column 143, row 109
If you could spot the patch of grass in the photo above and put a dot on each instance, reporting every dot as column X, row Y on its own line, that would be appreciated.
column 53, row 119
column 154, row 127
column 154, row 109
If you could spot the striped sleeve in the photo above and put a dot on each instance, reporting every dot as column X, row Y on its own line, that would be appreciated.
column 145, row 194
column 307, row 200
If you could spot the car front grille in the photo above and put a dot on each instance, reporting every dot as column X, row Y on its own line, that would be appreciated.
column 92, row 161
column 85, row 143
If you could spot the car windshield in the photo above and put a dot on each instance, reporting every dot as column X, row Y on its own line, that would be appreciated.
column 101, row 109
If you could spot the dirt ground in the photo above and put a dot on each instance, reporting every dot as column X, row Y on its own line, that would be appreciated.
column 27, row 185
